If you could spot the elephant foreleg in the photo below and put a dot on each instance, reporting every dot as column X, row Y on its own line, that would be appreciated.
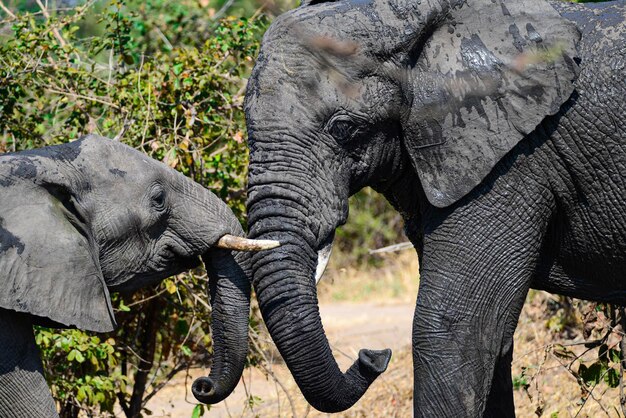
column 500, row 402
column 477, row 265
column 23, row 389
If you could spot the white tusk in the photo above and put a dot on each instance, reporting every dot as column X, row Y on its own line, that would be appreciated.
column 323, row 256
column 231, row 242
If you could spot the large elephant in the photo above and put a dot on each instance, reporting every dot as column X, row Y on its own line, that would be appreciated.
column 495, row 127
column 81, row 219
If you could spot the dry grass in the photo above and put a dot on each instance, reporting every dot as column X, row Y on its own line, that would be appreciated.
column 390, row 396
column 395, row 280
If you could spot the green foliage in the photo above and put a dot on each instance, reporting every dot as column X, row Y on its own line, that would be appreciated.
column 182, row 103
column 372, row 224
column 162, row 77
column 198, row 411
column 600, row 363
column 601, row 321
column 82, row 366
column 521, row 381
column 604, row 368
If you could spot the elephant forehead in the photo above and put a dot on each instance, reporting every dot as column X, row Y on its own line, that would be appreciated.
column 113, row 160
column 373, row 26
column 359, row 18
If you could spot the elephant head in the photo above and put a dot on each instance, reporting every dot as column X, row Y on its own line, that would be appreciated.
column 417, row 99
column 94, row 215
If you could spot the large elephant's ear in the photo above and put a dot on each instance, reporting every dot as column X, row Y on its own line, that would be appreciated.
column 48, row 266
column 485, row 78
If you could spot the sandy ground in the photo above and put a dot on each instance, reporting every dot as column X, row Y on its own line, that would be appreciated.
column 553, row 392
column 349, row 328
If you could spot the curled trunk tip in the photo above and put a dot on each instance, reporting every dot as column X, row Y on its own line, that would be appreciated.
column 229, row 289
column 375, row 361
column 356, row 381
column 203, row 390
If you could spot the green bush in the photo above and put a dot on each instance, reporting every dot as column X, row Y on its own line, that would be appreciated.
column 372, row 224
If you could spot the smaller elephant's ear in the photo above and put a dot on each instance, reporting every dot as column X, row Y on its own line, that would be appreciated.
column 48, row 265
column 491, row 71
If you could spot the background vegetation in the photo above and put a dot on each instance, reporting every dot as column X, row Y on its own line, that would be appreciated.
column 168, row 78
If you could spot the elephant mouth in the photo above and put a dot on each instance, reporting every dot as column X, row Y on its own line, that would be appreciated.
column 131, row 282
column 323, row 256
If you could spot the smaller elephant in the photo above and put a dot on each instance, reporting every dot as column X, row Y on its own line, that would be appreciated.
column 81, row 219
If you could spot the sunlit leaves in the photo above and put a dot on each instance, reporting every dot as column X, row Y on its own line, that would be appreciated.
column 91, row 360
column 605, row 368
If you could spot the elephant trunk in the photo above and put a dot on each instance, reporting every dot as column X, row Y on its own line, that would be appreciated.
column 221, row 243
column 285, row 286
column 229, row 290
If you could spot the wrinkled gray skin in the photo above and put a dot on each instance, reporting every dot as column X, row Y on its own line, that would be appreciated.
column 496, row 128
column 94, row 215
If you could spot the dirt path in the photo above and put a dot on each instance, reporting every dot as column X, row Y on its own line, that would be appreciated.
column 349, row 327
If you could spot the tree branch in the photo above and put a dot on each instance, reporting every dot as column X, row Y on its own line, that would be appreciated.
column 6, row 10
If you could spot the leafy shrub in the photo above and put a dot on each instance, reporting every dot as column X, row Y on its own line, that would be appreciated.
column 83, row 368
column 372, row 224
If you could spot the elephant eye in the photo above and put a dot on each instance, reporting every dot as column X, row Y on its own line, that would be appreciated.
column 342, row 128
column 158, row 199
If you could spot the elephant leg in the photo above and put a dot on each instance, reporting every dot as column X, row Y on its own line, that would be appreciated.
column 477, row 264
column 23, row 389
column 500, row 402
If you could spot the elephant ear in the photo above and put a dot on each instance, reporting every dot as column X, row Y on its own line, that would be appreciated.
column 485, row 78
column 48, row 265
